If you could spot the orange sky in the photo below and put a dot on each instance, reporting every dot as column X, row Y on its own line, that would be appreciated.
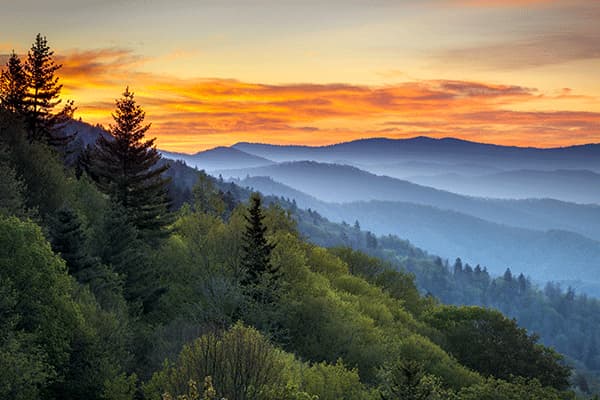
column 520, row 72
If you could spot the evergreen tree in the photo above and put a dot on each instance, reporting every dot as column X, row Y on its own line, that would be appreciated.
column 13, row 86
column 120, row 247
column 68, row 239
column 42, row 96
column 458, row 267
column 125, row 166
column 256, row 249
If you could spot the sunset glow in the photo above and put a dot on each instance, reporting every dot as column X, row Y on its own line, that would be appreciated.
column 437, row 68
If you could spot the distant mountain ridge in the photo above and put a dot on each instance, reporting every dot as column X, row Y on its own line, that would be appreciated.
column 345, row 184
column 545, row 255
column 579, row 186
column 219, row 158
column 449, row 150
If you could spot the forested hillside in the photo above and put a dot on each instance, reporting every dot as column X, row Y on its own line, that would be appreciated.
column 563, row 319
column 452, row 234
column 111, row 290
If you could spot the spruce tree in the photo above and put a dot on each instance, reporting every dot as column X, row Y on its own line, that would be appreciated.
column 126, row 167
column 42, row 97
column 68, row 238
column 13, row 86
column 257, row 250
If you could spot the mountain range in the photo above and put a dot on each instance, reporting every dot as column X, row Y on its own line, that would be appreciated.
column 553, row 254
column 546, row 238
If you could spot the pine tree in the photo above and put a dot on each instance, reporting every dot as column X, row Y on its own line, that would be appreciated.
column 42, row 96
column 13, row 86
column 69, row 240
column 256, row 249
column 126, row 167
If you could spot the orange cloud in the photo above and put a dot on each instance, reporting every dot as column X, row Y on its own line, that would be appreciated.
column 193, row 114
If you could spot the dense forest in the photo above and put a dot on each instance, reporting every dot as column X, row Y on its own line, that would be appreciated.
column 563, row 319
column 118, row 284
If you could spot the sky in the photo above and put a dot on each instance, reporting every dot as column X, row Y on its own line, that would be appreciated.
column 211, row 73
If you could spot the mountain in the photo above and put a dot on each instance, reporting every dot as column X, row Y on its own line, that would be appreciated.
column 344, row 184
column 381, row 151
column 544, row 255
column 219, row 158
column 85, row 134
column 408, row 169
column 580, row 186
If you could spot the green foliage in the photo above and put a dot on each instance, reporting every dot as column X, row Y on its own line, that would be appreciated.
column 256, row 259
column 43, row 306
column 490, row 343
column 241, row 362
column 120, row 246
column 25, row 371
column 12, row 188
column 334, row 382
column 37, row 165
column 205, row 197
column 519, row 390
column 122, row 387
column 69, row 241
column 407, row 380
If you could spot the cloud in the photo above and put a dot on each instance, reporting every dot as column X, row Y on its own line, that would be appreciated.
column 552, row 32
column 533, row 51
column 196, row 113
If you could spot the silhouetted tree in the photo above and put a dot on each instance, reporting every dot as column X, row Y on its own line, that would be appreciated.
column 458, row 267
column 125, row 167
column 13, row 86
column 42, row 96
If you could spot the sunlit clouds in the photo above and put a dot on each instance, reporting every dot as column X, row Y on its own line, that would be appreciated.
column 212, row 73
column 193, row 114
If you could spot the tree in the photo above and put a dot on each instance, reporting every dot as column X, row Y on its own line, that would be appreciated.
column 256, row 259
column 13, row 86
column 38, row 317
column 42, row 97
column 68, row 240
column 125, row 166
column 488, row 342
column 120, row 247
column 407, row 380
column 241, row 362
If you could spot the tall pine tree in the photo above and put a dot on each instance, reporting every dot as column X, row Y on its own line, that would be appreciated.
column 257, row 250
column 42, row 97
column 13, row 86
column 127, row 167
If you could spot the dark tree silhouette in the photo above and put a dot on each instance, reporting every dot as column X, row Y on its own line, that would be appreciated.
column 42, row 97
column 13, row 86
column 126, row 167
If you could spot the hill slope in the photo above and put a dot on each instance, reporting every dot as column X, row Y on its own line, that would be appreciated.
column 219, row 158
column 344, row 184
column 545, row 255
column 377, row 151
